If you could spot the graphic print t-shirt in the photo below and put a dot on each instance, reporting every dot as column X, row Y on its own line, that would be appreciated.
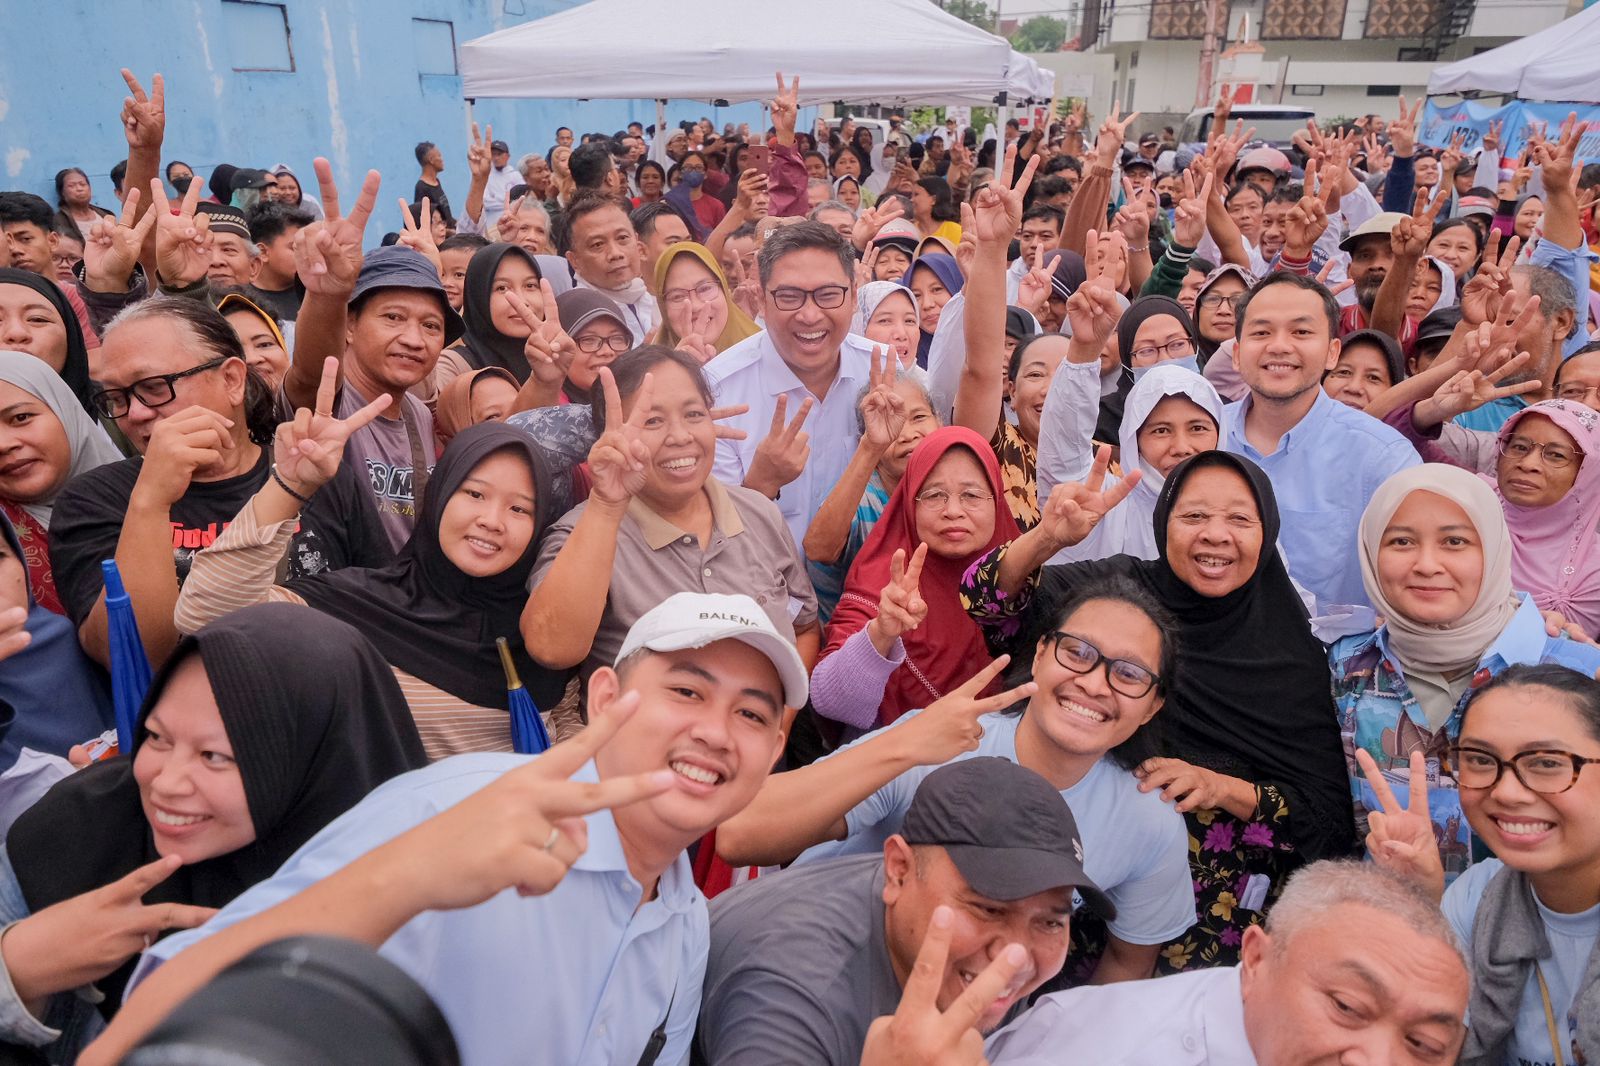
column 381, row 455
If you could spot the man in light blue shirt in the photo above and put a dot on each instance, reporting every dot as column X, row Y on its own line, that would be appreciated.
column 435, row 867
column 1325, row 459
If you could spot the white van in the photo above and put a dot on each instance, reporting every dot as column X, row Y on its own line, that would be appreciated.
column 1274, row 123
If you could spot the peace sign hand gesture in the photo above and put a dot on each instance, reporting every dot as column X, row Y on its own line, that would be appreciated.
column 781, row 456
column 183, row 240
column 619, row 462
column 479, row 162
column 1483, row 293
column 919, row 1033
column 950, row 725
column 1403, row 130
column 1033, row 289
column 901, row 607
column 1400, row 838
column 327, row 254
column 882, row 409
column 307, row 449
column 113, row 246
column 997, row 210
column 548, row 349
column 1074, row 508
column 144, row 118
column 785, row 108
column 418, row 232
column 1409, row 238
column 1189, row 227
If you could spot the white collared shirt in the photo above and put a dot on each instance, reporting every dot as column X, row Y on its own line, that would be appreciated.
column 752, row 372
column 1188, row 1019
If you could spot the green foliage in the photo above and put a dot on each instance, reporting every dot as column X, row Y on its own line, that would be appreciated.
column 1040, row 34
column 973, row 11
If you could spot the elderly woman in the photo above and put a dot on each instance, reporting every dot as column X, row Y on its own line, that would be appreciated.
column 696, row 304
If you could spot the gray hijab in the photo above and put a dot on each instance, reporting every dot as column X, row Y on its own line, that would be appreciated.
column 89, row 446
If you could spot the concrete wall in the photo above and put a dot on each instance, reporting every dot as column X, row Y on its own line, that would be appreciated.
column 355, row 95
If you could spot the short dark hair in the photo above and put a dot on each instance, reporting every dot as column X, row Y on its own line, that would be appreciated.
column 119, row 171
column 463, row 240
column 1051, row 187
column 1047, row 212
column 1239, row 188
column 423, row 148
column 645, row 217
column 630, row 367
column 269, row 220
column 801, row 237
column 1287, row 193
column 586, row 203
column 1581, row 691
column 1064, row 162
column 944, row 204
column 590, row 163
column 1304, row 282
column 17, row 206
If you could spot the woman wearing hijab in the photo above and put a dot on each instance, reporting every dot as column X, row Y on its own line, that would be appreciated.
column 886, row 312
column 40, row 322
column 57, row 694
column 288, row 190
column 257, row 732
column 46, row 439
column 599, row 332
column 1436, row 561
column 1370, row 362
column 486, row 395
column 695, row 300
column 932, row 279
column 1067, row 272
column 497, row 275
column 434, row 613
column 1252, row 756
column 1433, row 286
column 1153, row 330
column 899, row 638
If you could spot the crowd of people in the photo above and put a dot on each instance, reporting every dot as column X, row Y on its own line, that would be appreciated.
column 1021, row 595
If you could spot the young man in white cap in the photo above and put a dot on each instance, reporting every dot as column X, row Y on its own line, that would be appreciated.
column 607, row 965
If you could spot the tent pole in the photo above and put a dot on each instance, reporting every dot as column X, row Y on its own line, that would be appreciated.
column 470, row 119
column 661, row 117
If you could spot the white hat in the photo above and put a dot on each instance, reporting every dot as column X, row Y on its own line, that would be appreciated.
column 695, row 619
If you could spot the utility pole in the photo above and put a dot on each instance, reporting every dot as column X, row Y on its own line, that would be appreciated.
column 1208, row 52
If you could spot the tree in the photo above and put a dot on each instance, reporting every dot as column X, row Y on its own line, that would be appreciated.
column 1040, row 34
column 973, row 11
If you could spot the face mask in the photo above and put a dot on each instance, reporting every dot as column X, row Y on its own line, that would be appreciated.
column 694, row 178
column 1188, row 362
column 1166, row 201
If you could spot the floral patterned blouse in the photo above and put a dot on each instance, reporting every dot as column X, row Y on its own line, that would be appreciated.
column 1019, row 473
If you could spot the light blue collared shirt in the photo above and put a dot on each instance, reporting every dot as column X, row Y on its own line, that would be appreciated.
column 1524, row 640
column 578, row 976
column 1323, row 472
column 1492, row 415
column 1572, row 264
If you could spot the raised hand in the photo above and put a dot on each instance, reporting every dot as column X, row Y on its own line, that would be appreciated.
column 1403, row 129
column 869, row 262
column 1450, row 158
column 418, row 232
column 1482, row 295
column 874, row 219
column 113, row 246
column 1093, row 311
column 1377, row 157
column 183, row 240
column 785, row 107
column 918, row 1033
column 1113, row 132
column 1075, row 508
column 1107, row 259
column 1033, row 289
column 1557, row 159
column 782, row 453
column 144, row 117
column 479, row 162
column 1225, row 149
column 752, row 198
column 1133, row 218
column 307, row 449
column 1410, row 236
column 901, row 607
column 327, row 254
column 1189, row 226
column 1516, row 314
column 950, row 725
column 747, row 289
column 967, row 247
column 619, row 462
column 883, row 410
column 997, row 210
column 82, row 939
column 1400, row 838
column 548, row 349
column 1491, row 140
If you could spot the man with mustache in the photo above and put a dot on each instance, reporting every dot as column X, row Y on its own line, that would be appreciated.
column 801, row 962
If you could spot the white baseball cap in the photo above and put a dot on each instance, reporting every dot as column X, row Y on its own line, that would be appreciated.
column 695, row 619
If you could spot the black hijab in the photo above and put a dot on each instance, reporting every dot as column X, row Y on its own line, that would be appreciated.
column 428, row 618
column 482, row 345
column 75, row 372
column 316, row 722
column 1393, row 357
column 1109, row 426
column 1253, row 696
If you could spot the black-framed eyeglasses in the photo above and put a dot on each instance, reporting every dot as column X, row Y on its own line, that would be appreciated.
column 1546, row 771
column 590, row 343
column 153, row 392
column 1555, row 456
column 1123, row 675
column 1171, row 350
column 827, row 297
column 1213, row 300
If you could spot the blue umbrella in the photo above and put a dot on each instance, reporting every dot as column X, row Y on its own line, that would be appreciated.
column 528, row 735
column 130, row 666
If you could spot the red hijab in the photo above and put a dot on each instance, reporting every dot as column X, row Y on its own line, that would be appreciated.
column 947, row 648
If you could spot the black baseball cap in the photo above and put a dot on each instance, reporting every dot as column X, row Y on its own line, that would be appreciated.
column 399, row 267
column 500, row 146
column 1006, row 829
column 247, row 178
column 1150, row 138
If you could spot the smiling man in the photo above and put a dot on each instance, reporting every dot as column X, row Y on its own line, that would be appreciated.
column 805, row 358
column 1325, row 459
column 802, row 962
column 603, row 248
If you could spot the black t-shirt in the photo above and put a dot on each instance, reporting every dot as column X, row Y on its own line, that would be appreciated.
column 336, row 530
column 435, row 195
column 285, row 303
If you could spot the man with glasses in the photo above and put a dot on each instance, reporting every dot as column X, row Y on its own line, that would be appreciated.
column 799, row 377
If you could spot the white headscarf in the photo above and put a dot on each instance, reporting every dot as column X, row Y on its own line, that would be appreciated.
column 869, row 296
column 88, row 445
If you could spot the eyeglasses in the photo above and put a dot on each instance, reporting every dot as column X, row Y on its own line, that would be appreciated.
column 939, row 499
column 1173, row 349
column 1546, row 772
column 1577, row 393
column 590, row 343
column 705, row 292
column 153, row 392
column 1555, row 456
column 1214, row 300
column 827, row 297
column 1123, row 675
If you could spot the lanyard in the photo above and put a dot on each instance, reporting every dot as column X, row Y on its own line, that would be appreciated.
column 658, row 1039
column 419, row 460
column 1549, row 1016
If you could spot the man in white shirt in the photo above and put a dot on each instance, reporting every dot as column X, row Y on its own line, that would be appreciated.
column 799, row 377
column 603, row 250
column 502, row 177
column 1353, row 965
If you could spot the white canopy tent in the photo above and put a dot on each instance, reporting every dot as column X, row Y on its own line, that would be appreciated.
column 1555, row 64
column 883, row 51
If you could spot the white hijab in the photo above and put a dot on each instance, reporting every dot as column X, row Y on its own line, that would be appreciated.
column 88, row 444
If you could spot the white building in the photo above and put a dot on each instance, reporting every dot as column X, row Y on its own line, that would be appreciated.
column 1343, row 58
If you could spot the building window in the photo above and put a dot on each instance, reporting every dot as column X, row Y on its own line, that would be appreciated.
column 434, row 43
column 258, row 35
column 1181, row 20
column 1306, row 90
column 1383, row 90
column 1403, row 18
column 1302, row 20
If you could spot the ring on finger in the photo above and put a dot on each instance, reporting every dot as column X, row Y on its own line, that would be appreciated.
column 555, row 835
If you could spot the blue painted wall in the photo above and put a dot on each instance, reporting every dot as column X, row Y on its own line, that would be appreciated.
column 355, row 95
